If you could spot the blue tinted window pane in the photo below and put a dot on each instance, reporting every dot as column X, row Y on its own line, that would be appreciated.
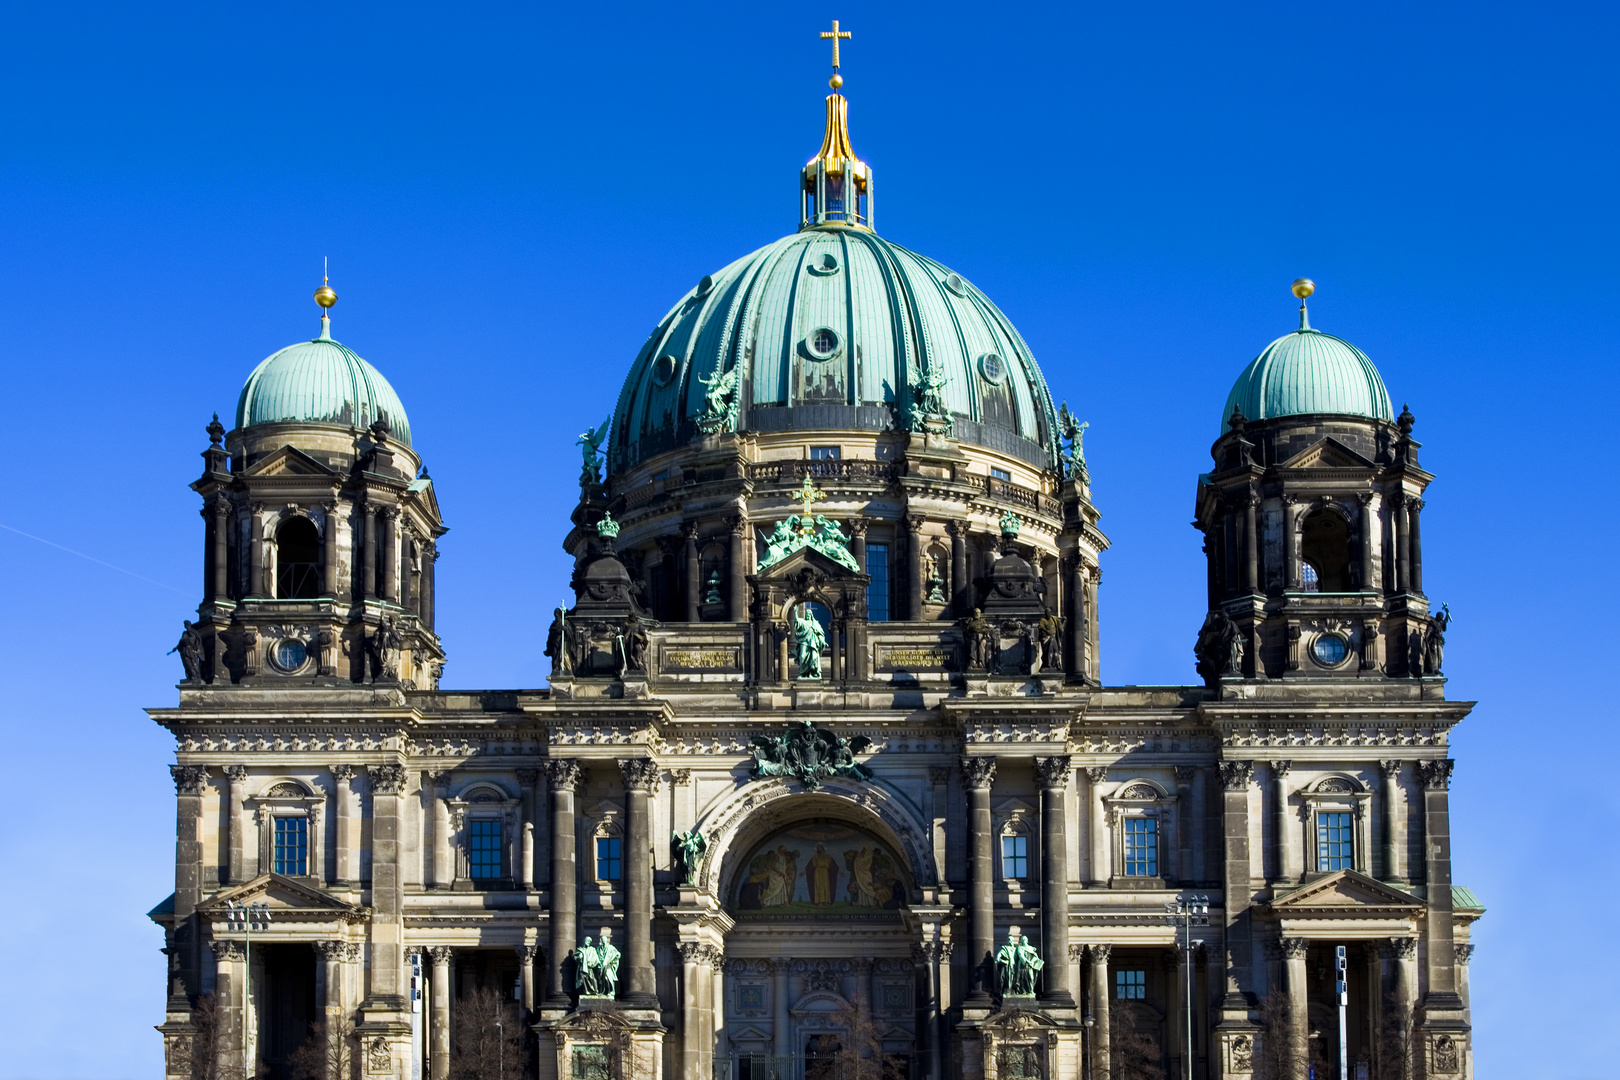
column 609, row 861
column 484, row 849
column 825, row 453
column 1334, row 848
column 292, row 845
column 1015, row 857
column 1000, row 474
column 1130, row 985
column 877, row 593
column 1141, row 847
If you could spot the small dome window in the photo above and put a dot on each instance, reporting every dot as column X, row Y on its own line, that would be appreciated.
column 955, row 283
column 823, row 343
column 1329, row 650
column 993, row 368
column 664, row 369
column 705, row 285
column 824, row 265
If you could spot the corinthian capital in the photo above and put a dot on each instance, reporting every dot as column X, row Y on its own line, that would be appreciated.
column 1053, row 771
column 563, row 773
column 189, row 779
column 640, row 774
column 387, row 779
column 979, row 772
column 1235, row 775
column 1436, row 775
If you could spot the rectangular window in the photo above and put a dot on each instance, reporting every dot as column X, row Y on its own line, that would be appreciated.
column 1334, row 848
column 609, row 858
column 1141, row 847
column 1000, row 474
column 877, row 593
column 826, row 453
column 1015, row 857
column 483, row 850
column 1130, row 985
column 292, row 845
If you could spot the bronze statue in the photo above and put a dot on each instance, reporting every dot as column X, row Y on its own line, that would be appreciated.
column 190, row 648
column 1050, row 629
column 687, row 849
column 979, row 633
column 557, row 644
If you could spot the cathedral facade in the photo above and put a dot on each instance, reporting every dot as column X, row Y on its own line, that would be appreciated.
column 826, row 781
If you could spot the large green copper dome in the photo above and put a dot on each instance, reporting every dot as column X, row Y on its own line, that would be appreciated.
column 834, row 328
column 1308, row 371
column 320, row 382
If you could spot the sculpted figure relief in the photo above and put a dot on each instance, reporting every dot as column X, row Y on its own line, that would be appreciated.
column 687, row 849
column 809, row 754
column 808, row 641
column 190, row 648
column 557, row 644
column 596, row 967
column 1018, row 965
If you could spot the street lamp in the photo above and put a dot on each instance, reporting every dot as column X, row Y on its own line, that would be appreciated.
column 247, row 918
column 1187, row 912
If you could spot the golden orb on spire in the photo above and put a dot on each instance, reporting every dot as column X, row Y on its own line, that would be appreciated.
column 836, row 81
column 1303, row 287
column 325, row 297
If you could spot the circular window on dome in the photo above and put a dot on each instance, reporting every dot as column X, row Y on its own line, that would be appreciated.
column 824, row 264
column 706, row 284
column 955, row 283
column 993, row 368
column 289, row 654
column 664, row 369
column 823, row 343
column 1329, row 650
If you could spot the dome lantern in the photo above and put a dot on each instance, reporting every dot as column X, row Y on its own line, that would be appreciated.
column 836, row 186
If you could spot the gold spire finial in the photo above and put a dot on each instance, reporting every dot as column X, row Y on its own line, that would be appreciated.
column 324, row 295
column 834, row 35
column 1302, row 288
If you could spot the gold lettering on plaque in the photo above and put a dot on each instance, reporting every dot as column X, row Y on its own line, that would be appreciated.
column 914, row 658
column 695, row 658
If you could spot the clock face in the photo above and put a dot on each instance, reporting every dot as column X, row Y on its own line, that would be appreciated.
column 290, row 654
column 1330, row 650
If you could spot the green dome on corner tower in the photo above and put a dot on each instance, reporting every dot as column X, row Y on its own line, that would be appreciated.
column 320, row 382
column 1309, row 372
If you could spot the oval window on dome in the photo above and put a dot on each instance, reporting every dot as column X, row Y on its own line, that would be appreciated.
column 664, row 369
column 705, row 285
column 955, row 283
column 993, row 368
column 1329, row 650
column 825, row 264
column 823, row 343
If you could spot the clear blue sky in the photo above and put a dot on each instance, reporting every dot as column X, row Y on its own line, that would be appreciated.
column 512, row 196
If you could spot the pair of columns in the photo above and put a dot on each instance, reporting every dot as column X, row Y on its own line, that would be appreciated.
column 345, row 875
column 441, row 990
column 442, row 867
column 979, row 773
column 564, row 777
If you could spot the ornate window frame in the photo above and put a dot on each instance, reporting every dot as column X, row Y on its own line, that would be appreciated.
column 1340, row 793
column 484, row 800
column 606, row 820
column 286, row 796
column 1017, row 818
column 1140, row 797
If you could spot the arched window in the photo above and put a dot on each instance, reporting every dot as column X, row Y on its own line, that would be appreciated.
column 1325, row 548
column 298, row 559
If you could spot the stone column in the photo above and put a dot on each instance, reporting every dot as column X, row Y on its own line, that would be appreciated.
column 1074, row 595
column 1294, row 950
column 1187, row 814
column 640, row 775
column 1403, row 543
column 342, row 818
column 1285, row 831
column 1054, row 777
column 366, row 559
column 1101, row 860
column 444, row 866
column 1184, row 964
column 329, row 981
column 914, row 567
column 1200, row 827
column 387, row 885
column 256, row 553
column 220, row 509
column 961, row 587
column 781, row 1036
column 1251, row 544
column 1415, row 540
column 563, row 778
column 390, row 553
column 190, row 784
column 1093, row 644
column 527, row 778
column 711, row 982
column 857, row 540
column 1368, row 523
column 329, row 531
column 526, row 957
column 236, row 776
column 1465, row 953
column 1235, row 777
column 978, row 773
column 1442, row 957
column 1403, row 954
column 694, row 570
column 1102, row 1065
column 439, row 1025
column 1390, row 797
column 738, row 598
column 430, row 559
column 230, row 988
column 694, row 961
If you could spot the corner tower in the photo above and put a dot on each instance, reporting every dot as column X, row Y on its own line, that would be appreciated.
column 321, row 530
column 1311, row 523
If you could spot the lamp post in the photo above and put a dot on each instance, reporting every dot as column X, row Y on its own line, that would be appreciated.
column 1186, row 913
column 247, row 918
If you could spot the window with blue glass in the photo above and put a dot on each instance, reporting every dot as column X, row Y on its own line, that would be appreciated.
column 1141, row 847
column 877, row 593
column 826, row 453
column 1335, row 849
column 483, row 850
column 1000, row 474
column 1015, row 856
column 292, row 845
column 609, row 858
column 1130, row 985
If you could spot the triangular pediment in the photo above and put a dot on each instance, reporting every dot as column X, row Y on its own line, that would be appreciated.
column 1343, row 893
column 288, row 461
column 1327, row 453
column 279, row 893
column 806, row 558
column 750, row 1034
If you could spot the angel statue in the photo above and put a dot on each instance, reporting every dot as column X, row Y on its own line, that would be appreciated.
column 687, row 849
column 590, row 442
column 1074, row 432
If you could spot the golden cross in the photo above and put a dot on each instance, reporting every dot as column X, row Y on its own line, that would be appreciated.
column 834, row 35
column 808, row 493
